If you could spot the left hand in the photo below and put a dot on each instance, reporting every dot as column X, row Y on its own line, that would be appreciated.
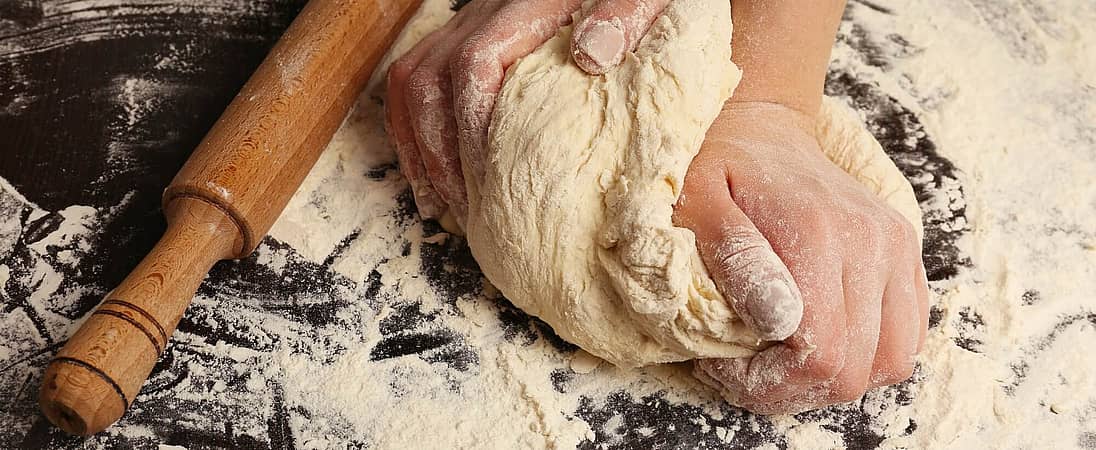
column 442, row 92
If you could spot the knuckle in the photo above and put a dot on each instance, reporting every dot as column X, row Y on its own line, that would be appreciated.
column 897, row 370
column 738, row 248
column 710, row 161
column 824, row 365
column 624, row 9
column 850, row 384
column 816, row 220
column 882, row 234
column 420, row 81
column 468, row 54
column 848, row 387
column 896, row 230
column 465, row 53
column 866, row 230
column 901, row 229
column 400, row 70
column 847, row 393
column 912, row 242
column 819, row 186
column 903, row 371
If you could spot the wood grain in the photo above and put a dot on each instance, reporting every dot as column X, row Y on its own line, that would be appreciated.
column 251, row 162
column 95, row 377
column 224, row 199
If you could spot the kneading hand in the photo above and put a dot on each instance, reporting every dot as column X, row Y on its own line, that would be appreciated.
column 778, row 226
column 442, row 92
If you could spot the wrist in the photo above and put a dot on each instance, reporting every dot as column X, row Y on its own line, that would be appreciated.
column 783, row 49
column 745, row 114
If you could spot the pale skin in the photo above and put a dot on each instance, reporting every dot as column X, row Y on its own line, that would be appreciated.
column 810, row 259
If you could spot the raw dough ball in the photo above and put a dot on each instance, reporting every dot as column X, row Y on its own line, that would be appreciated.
column 571, row 219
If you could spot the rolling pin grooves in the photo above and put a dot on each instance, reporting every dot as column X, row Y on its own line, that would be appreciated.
column 222, row 201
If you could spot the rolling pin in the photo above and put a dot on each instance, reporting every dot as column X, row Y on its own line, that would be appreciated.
column 223, row 201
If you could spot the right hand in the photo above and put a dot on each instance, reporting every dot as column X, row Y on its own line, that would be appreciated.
column 442, row 92
column 806, row 255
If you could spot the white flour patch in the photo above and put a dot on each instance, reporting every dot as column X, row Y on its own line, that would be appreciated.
column 58, row 24
column 177, row 58
column 357, row 325
column 137, row 98
column 1014, row 108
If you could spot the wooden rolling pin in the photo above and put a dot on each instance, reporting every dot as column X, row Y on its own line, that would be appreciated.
column 223, row 201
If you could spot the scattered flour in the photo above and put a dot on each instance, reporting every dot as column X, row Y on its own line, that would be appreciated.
column 1006, row 91
column 1029, row 386
column 1015, row 109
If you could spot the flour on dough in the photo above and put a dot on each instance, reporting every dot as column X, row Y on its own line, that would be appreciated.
column 571, row 219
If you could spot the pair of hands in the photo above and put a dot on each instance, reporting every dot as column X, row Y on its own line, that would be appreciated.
column 806, row 255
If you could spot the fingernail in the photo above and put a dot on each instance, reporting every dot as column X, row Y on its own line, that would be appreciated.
column 426, row 203
column 776, row 310
column 602, row 44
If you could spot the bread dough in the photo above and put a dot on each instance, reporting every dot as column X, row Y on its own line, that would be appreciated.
column 571, row 217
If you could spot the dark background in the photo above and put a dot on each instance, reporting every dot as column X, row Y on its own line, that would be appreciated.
column 66, row 140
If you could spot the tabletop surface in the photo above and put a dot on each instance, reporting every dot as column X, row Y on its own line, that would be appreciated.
column 101, row 102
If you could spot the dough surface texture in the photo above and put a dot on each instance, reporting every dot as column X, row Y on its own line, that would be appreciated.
column 570, row 213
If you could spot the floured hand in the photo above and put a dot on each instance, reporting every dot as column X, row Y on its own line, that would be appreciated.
column 786, row 234
column 442, row 92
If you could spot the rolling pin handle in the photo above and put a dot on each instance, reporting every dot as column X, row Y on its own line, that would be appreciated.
column 91, row 382
column 223, row 200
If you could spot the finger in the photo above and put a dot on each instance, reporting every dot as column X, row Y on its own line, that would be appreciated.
column 899, row 332
column 610, row 29
column 815, row 354
column 863, row 309
column 430, row 107
column 812, row 398
column 819, row 396
column 738, row 257
column 399, row 117
column 863, row 291
column 398, row 125
column 479, row 65
column 429, row 103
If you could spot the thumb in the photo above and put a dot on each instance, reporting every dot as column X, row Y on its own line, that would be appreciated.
column 610, row 29
column 740, row 260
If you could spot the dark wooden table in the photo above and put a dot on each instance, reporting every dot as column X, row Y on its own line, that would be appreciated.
column 100, row 104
